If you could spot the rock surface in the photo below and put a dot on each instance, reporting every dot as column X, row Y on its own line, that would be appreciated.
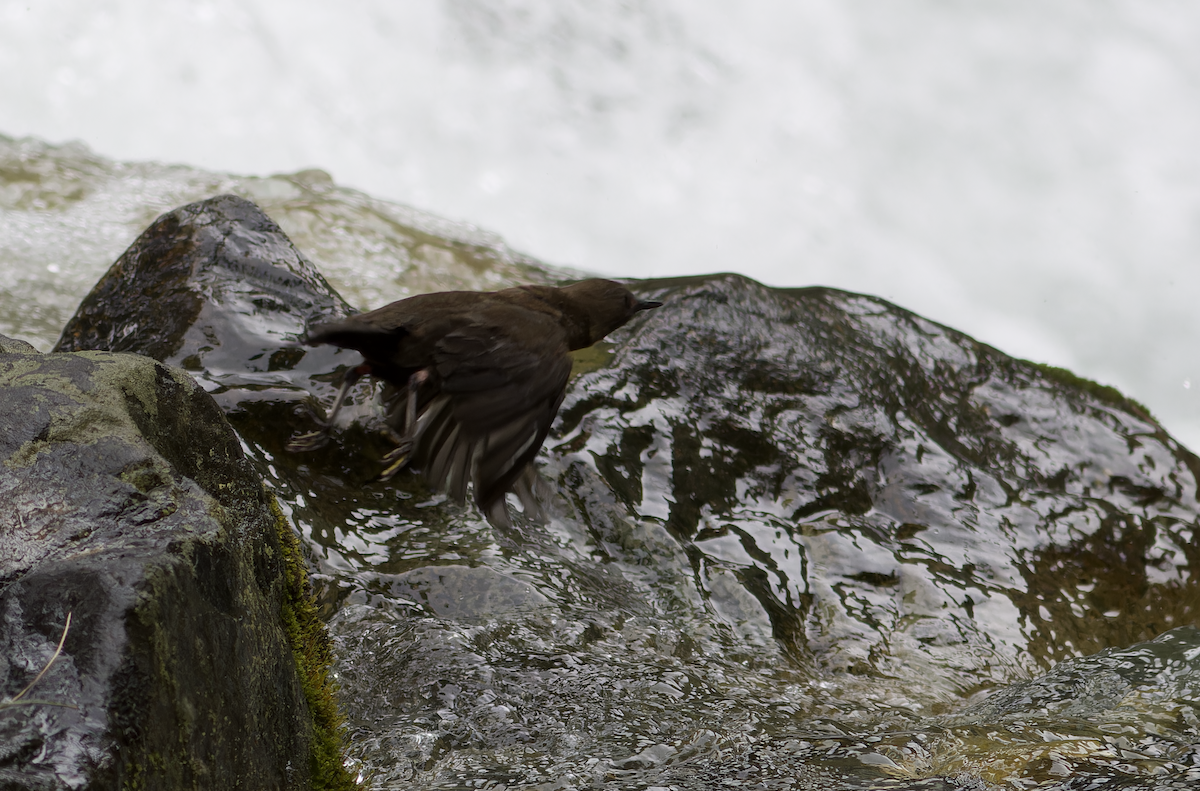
column 883, row 486
column 130, row 506
column 786, row 520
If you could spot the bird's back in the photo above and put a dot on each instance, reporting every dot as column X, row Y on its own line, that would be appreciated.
column 406, row 334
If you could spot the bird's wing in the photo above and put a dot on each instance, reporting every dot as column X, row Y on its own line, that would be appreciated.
column 503, row 375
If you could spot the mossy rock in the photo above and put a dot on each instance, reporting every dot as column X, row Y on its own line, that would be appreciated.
column 194, row 658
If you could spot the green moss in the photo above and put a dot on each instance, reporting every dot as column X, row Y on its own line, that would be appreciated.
column 134, row 779
column 1107, row 394
column 592, row 358
column 135, row 773
column 313, row 651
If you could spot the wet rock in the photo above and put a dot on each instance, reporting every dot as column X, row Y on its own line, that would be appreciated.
column 890, row 490
column 130, row 507
column 215, row 285
column 218, row 289
column 1082, row 720
column 780, row 514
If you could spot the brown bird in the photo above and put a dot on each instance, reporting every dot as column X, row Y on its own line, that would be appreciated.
column 481, row 376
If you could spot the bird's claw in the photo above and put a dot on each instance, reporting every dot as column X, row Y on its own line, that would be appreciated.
column 396, row 459
column 309, row 441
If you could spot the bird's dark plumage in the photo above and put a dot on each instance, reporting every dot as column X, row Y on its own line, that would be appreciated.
column 481, row 375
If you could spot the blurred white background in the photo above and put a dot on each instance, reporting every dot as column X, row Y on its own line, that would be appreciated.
column 1027, row 172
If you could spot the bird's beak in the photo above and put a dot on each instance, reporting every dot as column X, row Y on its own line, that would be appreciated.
column 647, row 305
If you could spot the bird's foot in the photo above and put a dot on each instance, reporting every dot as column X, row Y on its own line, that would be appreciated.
column 309, row 441
column 396, row 458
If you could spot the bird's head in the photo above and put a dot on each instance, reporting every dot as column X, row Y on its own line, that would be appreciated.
column 600, row 306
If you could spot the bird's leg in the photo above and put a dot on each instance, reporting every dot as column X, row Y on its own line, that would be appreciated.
column 406, row 440
column 315, row 439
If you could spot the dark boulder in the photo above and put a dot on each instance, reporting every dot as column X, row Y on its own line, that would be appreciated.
column 216, row 288
column 884, row 485
column 130, row 506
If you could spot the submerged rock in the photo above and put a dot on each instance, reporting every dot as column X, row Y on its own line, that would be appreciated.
column 130, row 508
column 786, row 520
